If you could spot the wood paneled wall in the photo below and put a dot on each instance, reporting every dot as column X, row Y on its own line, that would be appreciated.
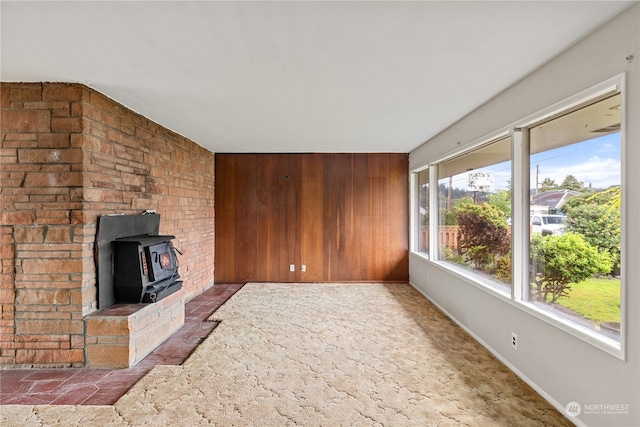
column 344, row 216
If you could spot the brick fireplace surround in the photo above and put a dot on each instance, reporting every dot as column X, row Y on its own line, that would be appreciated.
column 69, row 155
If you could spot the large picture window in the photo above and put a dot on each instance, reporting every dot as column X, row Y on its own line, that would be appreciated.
column 535, row 214
column 474, row 212
column 575, row 221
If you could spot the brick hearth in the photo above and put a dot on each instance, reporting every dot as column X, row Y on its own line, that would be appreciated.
column 122, row 335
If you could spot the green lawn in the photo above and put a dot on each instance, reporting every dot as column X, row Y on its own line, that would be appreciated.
column 595, row 299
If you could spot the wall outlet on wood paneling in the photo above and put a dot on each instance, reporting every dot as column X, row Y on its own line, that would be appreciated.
column 303, row 268
column 292, row 267
column 307, row 215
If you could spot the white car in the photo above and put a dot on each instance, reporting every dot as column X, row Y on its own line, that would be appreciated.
column 547, row 224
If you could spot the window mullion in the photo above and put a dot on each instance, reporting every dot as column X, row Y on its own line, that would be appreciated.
column 414, row 216
column 520, row 215
column 433, row 213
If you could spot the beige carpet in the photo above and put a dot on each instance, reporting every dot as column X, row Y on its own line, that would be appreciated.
column 321, row 355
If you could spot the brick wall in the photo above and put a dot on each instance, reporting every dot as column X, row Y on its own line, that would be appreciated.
column 69, row 154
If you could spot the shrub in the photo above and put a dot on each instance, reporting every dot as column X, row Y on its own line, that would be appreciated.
column 597, row 218
column 503, row 267
column 450, row 256
column 561, row 260
column 484, row 230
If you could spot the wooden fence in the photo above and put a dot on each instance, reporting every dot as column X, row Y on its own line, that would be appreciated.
column 448, row 236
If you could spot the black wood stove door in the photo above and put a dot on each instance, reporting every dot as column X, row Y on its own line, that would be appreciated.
column 112, row 227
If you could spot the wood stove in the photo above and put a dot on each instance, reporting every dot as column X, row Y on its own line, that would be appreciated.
column 145, row 268
column 135, row 263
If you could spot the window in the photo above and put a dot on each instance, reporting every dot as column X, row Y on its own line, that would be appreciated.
column 422, row 214
column 474, row 212
column 534, row 215
column 575, row 231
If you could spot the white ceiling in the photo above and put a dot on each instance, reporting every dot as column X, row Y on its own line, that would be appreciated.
column 296, row 76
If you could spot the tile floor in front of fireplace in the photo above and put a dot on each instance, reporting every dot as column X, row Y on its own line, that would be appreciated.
column 85, row 386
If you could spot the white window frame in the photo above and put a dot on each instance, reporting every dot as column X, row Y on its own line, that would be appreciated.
column 414, row 217
column 432, row 257
column 613, row 347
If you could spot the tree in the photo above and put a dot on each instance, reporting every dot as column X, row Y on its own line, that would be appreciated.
column 597, row 218
column 548, row 184
column 424, row 195
column 571, row 183
column 502, row 200
column 561, row 260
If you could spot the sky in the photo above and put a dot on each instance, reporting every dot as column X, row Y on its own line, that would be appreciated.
column 595, row 162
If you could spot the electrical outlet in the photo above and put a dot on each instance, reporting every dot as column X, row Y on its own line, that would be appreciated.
column 514, row 341
column 292, row 267
column 427, row 280
column 303, row 268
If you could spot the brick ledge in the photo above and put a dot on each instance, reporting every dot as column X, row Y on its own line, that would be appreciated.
column 122, row 335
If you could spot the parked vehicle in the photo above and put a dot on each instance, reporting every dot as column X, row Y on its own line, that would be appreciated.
column 547, row 224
